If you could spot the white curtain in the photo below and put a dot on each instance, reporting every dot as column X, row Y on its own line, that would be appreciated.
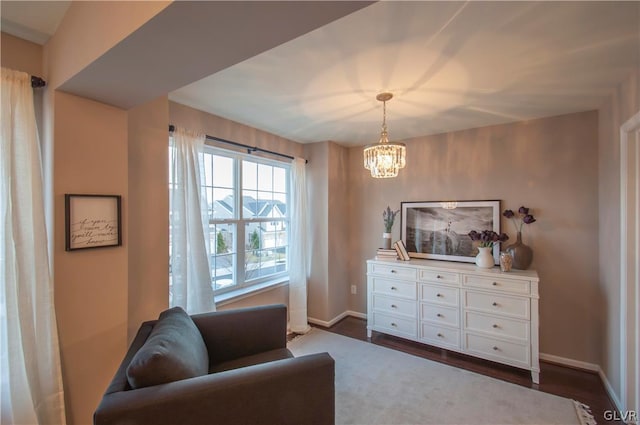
column 298, row 248
column 191, row 275
column 31, row 388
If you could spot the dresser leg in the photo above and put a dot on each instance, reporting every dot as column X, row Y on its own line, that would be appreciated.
column 368, row 333
column 535, row 377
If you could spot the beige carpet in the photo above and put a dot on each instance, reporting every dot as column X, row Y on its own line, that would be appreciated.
column 377, row 385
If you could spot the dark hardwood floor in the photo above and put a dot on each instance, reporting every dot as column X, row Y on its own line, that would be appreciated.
column 583, row 386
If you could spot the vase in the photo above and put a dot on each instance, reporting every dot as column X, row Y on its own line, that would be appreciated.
column 386, row 240
column 522, row 254
column 484, row 258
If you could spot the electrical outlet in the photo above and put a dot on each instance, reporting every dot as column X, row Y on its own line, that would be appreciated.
column 354, row 289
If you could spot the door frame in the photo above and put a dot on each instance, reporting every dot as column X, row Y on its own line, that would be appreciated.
column 629, row 263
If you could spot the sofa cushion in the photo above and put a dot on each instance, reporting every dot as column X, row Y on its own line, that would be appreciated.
column 174, row 350
column 265, row 357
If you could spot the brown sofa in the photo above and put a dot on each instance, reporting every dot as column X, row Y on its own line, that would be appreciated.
column 252, row 378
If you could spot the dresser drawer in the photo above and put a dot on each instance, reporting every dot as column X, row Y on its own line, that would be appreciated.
column 394, row 324
column 439, row 277
column 503, row 351
column 497, row 326
column 497, row 304
column 498, row 283
column 391, row 270
column 439, row 314
column 439, row 294
column 394, row 288
column 440, row 336
column 394, row 305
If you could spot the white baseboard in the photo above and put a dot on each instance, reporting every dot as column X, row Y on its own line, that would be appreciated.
column 563, row 361
column 336, row 319
column 612, row 394
column 577, row 364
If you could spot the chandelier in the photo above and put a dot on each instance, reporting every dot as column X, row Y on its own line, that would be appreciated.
column 385, row 158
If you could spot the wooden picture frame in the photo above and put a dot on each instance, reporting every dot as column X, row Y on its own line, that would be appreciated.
column 439, row 230
column 92, row 221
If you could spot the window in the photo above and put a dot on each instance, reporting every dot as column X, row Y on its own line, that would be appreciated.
column 247, row 200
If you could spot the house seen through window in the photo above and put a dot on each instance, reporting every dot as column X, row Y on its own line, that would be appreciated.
column 247, row 200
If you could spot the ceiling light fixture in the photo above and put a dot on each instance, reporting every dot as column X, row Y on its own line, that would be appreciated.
column 385, row 158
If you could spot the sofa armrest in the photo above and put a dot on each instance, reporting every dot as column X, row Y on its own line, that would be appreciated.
column 290, row 391
column 243, row 332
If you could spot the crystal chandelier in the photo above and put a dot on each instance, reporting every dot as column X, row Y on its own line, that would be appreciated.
column 385, row 158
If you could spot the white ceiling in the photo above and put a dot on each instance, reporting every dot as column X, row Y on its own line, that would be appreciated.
column 450, row 65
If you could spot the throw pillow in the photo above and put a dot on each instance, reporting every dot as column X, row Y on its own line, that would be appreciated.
column 174, row 350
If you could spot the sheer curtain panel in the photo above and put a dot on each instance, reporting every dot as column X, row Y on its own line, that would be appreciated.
column 190, row 271
column 31, row 388
column 298, row 249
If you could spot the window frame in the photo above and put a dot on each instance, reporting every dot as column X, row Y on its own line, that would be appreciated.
column 240, row 222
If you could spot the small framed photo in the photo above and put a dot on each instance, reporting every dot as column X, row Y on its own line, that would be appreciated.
column 440, row 230
column 92, row 221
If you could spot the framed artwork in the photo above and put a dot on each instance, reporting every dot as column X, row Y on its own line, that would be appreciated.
column 440, row 230
column 92, row 221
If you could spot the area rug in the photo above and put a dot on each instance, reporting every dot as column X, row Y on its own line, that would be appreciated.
column 378, row 385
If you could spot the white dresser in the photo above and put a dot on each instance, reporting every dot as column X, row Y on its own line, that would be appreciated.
column 485, row 313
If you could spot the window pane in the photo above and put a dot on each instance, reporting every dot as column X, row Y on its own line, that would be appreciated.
column 249, row 204
column 279, row 205
column 279, row 180
column 265, row 177
column 222, row 255
column 265, row 249
column 222, row 204
column 249, row 175
column 222, row 171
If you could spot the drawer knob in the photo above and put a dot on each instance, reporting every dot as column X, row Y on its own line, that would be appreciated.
column 439, row 295
column 394, row 325
column 439, row 315
column 393, row 271
column 495, row 348
column 495, row 304
column 495, row 283
column 393, row 288
column 440, row 335
column 495, row 326
column 394, row 306
column 438, row 277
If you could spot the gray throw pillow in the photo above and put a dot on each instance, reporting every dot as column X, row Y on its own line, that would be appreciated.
column 174, row 350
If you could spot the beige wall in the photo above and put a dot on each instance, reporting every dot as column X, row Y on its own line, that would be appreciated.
column 90, row 285
column 148, row 212
column 318, row 195
column 338, row 231
column 622, row 105
column 21, row 55
column 549, row 165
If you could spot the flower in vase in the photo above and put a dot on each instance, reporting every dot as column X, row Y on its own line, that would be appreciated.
column 488, row 238
column 520, row 218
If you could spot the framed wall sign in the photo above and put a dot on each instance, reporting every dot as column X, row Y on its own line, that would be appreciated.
column 92, row 221
column 440, row 230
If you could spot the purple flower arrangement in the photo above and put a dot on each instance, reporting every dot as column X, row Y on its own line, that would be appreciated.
column 488, row 238
column 519, row 218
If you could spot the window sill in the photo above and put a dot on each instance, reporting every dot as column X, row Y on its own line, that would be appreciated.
column 249, row 291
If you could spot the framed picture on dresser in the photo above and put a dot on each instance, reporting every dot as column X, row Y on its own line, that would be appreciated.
column 439, row 230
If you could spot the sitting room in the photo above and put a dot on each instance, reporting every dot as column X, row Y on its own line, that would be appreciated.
column 434, row 204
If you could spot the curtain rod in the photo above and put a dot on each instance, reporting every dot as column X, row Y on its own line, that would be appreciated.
column 37, row 82
column 242, row 145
